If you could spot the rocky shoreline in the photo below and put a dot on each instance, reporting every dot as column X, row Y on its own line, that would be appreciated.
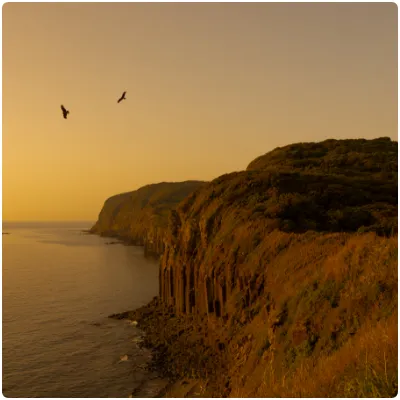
column 182, row 352
column 184, row 360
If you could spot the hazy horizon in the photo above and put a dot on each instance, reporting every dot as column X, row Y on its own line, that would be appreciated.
column 210, row 87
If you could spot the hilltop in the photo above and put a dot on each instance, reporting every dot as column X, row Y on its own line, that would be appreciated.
column 350, row 157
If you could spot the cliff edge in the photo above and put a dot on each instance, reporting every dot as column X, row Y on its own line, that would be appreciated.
column 140, row 217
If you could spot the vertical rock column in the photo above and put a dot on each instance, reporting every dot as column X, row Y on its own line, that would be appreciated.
column 180, row 288
column 190, row 292
column 210, row 295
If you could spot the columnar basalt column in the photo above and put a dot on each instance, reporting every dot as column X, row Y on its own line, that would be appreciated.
column 184, row 290
column 220, row 299
column 190, row 290
column 160, row 283
column 209, row 295
column 180, row 290
column 164, row 285
column 172, row 285
column 230, row 279
column 192, row 295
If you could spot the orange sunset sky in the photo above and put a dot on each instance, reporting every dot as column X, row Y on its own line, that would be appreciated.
column 210, row 86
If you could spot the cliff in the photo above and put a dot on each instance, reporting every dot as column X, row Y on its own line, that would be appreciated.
column 277, row 281
column 140, row 217
column 293, row 266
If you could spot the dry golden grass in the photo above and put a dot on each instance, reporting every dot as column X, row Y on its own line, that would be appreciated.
column 340, row 292
column 366, row 366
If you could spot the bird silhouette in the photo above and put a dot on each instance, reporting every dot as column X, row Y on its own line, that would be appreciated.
column 64, row 111
column 122, row 97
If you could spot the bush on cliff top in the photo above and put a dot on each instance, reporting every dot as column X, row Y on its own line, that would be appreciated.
column 352, row 157
column 331, row 191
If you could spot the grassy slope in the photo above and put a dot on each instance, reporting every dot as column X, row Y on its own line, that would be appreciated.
column 322, row 317
column 313, row 253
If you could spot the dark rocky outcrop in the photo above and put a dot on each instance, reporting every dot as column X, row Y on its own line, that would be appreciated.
column 213, row 232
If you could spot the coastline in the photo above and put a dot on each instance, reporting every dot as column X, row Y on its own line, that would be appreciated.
column 126, row 241
column 199, row 357
column 181, row 352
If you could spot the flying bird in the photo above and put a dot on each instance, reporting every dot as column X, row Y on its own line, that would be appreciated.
column 64, row 111
column 122, row 97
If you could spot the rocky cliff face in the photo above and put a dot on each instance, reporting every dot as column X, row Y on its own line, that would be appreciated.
column 272, row 250
column 212, row 235
column 141, row 216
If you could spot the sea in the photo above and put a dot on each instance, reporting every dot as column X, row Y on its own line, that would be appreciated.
column 60, row 284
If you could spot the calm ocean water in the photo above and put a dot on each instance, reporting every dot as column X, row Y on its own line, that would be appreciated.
column 59, row 286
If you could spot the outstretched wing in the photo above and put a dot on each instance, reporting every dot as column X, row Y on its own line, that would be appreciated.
column 64, row 111
column 122, row 97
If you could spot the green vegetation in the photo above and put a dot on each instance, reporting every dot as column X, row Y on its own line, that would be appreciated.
column 351, row 157
column 340, row 186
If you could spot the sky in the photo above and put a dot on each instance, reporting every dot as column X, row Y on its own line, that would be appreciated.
column 210, row 87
